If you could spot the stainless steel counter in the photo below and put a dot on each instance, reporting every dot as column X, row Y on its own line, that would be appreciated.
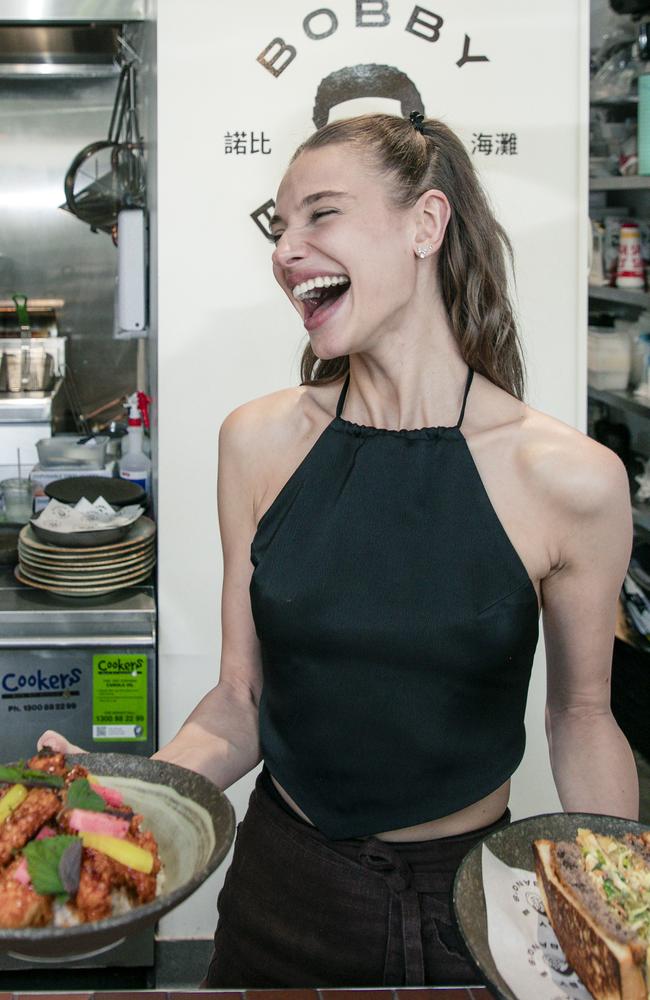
column 36, row 618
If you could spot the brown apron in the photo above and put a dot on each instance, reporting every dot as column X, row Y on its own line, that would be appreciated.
column 298, row 909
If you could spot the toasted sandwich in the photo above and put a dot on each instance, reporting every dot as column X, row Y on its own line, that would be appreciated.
column 596, row 891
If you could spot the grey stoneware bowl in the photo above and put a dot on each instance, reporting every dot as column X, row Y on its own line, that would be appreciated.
column 512, row 845
column 194, row 825
column 79, row 539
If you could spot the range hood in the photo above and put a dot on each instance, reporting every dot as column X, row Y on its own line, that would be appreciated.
column 65, row 38
column 71, row 11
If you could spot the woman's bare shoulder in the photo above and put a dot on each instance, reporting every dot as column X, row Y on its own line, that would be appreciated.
column 569, row 467
column 278, row 419
column 561, row 465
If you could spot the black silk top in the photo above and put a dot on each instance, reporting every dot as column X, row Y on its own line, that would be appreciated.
column 397, row 625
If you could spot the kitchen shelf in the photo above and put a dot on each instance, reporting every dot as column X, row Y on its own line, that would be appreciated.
column 622, row 399
column 624, row 296
column 613, row 101
column 641, row 518
column 7, row 305
column 632, row 183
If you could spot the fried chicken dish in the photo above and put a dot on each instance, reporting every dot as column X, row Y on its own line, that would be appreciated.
column 71, row 850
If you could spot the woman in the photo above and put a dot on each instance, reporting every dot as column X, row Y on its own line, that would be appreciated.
column 391, row 529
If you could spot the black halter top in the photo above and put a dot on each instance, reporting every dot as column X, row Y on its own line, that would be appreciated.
column 397, row 625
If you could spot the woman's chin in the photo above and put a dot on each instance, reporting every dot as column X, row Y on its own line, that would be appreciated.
column 326, row 348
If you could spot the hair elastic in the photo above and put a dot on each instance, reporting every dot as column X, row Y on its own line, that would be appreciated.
column 417, row 121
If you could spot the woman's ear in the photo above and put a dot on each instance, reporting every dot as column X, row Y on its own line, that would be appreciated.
column 432, row 213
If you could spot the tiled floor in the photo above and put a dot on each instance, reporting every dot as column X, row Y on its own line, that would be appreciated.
column 445, row 993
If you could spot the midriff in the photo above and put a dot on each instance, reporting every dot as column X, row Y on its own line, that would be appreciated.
column 479, row 814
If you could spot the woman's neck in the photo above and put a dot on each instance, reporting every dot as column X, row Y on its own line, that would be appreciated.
column 407, row 385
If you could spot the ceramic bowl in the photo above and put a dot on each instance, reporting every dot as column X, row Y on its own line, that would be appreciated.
column 512, row 845
column 194, row 825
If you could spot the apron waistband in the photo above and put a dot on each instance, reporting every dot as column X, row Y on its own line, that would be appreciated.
column 402, row 866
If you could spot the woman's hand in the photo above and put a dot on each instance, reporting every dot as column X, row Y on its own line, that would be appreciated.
column 55, row 741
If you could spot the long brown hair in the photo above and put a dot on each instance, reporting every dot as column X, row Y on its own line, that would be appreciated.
column 475, row 250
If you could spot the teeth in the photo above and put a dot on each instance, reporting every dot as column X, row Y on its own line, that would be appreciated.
column 302, row 290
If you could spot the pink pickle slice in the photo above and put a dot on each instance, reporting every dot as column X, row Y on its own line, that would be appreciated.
column 86, row 821
column 21, row 873
column 47, row 831
column 110, row 795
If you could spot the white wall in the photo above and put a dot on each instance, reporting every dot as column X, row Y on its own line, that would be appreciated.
column 226, row 335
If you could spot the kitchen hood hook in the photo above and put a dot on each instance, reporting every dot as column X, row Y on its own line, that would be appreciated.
column 128, row 48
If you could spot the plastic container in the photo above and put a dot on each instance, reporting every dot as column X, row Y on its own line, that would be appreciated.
column 18, row 498
column 64, row 451
column 609, row 359
column 135, row 466
column 643, row 124
column 630, row 272
column 639, row 334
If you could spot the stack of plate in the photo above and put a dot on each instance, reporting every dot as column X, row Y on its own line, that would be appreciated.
column 81, row 572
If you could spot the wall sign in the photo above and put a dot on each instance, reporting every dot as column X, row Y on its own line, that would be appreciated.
column 281, row 56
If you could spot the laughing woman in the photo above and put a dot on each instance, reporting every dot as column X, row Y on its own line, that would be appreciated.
column 391, row 529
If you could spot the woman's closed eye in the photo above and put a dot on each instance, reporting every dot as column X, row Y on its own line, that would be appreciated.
column 315, row 216
column 276, row 236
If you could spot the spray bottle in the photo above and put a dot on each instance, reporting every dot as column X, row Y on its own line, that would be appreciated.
column 135, row 465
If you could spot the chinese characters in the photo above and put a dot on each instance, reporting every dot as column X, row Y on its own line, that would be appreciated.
column 494, row 143
column 242, row 143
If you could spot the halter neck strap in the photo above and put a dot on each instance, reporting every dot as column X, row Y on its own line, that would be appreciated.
column 470, row 376
column 342, row 395
column 344, row 390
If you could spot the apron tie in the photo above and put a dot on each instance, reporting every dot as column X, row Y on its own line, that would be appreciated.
column 404, row 918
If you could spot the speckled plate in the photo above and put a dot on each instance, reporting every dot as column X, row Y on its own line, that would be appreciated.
column 512, row 846
column 194, row 824
column 139, row 534
column 70, row 591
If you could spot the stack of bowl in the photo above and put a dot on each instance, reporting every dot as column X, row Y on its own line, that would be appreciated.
column 88, row 563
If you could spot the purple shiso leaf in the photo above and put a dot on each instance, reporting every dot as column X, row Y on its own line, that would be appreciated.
column 70, row 867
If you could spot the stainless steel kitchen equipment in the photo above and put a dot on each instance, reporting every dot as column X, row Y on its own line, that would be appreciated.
column 88, row 669
column 32, row 370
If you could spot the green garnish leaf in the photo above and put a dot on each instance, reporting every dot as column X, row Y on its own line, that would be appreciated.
column 43, row 862
column 81, row 796
column 19, row 774
column 609, row 887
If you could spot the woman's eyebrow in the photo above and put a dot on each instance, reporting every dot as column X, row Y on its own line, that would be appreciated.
column 310, row 199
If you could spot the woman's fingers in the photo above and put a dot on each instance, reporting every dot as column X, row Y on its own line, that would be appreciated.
column 55, row 741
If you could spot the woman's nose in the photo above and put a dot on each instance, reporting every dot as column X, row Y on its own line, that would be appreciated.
column 288, row 250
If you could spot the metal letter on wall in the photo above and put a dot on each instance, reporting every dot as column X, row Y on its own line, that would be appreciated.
column 372, row 13
column 316, row 36
column 270, row 63
column 423, row 28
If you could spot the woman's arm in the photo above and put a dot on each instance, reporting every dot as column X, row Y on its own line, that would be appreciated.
column 220, row 739
column 592, row 763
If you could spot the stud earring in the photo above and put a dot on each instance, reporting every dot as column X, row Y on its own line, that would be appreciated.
column 422, row 252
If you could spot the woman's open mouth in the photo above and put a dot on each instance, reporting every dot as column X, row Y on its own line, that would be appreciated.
column 321, row 296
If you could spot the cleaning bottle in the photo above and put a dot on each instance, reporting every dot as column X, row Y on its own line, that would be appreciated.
column 135, row 465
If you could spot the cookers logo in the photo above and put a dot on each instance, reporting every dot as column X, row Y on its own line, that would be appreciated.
column 37, row 681
column 121, row 665
column 362, row 80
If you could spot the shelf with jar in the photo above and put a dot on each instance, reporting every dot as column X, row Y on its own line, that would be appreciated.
column 619, row 163
column 615, row 183
column 622, row 296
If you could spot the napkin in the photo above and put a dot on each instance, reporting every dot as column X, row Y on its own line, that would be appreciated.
column 87, row 516
column 523, row 943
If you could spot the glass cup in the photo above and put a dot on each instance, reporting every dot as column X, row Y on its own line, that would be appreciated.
column 18, row 497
